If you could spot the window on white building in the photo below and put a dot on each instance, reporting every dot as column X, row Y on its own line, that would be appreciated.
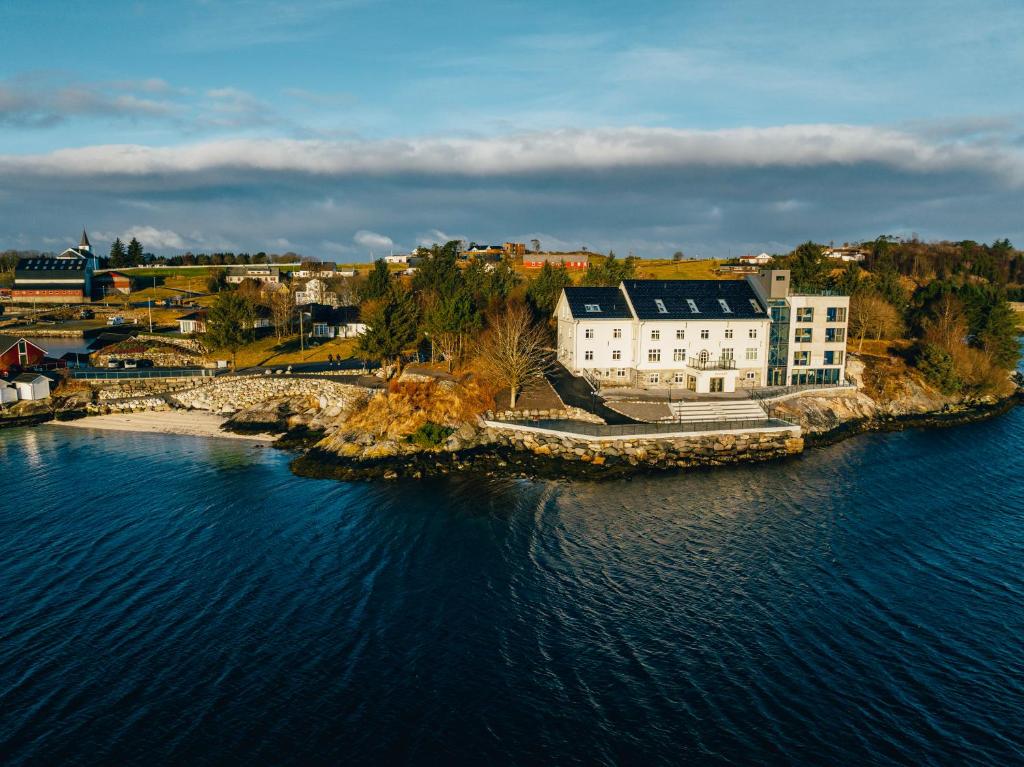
column 655, row 335
column 662, row 309
column 654, row 378
column 588, row 355
column 679, row 355
column 801, row 359
column 803, row 335
column 616, row 354
column 724, row 305
column 751, row 352
column 835, row 335
column 752, row 333
column 616, row 332
column 592, row 308
column 679, row 377
column 620, row 373
column 588, row 333
column 805, row 314
column 693, row 305
column 654, row 355
column 680, row 335
column 835, row 314
column 834, row 358
column 705, row 333
column 728, row 332
column 727, row 353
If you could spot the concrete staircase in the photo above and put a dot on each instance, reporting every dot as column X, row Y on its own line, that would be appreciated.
column 716, row 410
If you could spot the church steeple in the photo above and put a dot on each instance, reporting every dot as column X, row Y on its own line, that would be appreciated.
column 84, row 244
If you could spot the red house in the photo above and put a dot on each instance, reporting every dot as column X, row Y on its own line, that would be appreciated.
column 571, row 260
column 16, row 354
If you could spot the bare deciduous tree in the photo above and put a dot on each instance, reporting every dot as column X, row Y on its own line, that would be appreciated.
column 282, row 309
column 872, row 315
column 513, row 350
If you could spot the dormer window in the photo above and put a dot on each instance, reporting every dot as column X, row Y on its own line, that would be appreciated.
column 662, row 309
column 755, row 306
column 592, row 308
column 693, row 305
column 725, row 306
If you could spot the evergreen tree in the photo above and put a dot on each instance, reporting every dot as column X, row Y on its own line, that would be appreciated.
column 449, row 320
column 808, row 268
column 391, row 326
column 610, row 271
column 378, row 283
column 229, row 324
column 439, row 271
column 118, row 254
column 545, row 289
column 135, row 257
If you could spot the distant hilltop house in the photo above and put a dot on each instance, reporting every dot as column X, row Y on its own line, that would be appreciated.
column 571, row 260
column 495, row 252
column 398, row 258
column 846, row 252
column 267, row 275
column 334, row 321
column 315, row 292
column 705, row 335
column 63, row 279
column 316, row 269
column 761, row 259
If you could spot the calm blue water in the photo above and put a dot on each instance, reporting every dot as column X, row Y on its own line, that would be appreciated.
column 188, row 601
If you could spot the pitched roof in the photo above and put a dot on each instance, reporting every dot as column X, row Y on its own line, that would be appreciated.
column 597, row 304
column 42, row 267
column 29, row 378
column 334, row 315
column 85, row 240
column 7, row 342
column 677, row 300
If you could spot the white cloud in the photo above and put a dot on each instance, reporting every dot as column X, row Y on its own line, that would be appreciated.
column 156, row 239
column 795, row 146
column 372, row 240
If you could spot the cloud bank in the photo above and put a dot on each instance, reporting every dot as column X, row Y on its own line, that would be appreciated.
column 647, row 190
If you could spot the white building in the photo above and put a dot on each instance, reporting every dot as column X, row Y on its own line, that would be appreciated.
column 316, row 269
column 845, row 253
column 268, row 275
column 315, row 292
column 32, row 386
column 705, row 335
column 761, row 259
column 401, row 258
column 8, row 393
column 807, row 344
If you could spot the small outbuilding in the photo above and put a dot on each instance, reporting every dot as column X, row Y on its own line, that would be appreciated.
column 32, row 386
column 8, row 393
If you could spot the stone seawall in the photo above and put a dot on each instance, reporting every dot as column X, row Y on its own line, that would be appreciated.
column 503, row 448
column 661, row 451
column 230, row 394
column 567, row 413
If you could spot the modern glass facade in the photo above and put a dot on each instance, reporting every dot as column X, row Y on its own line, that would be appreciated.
column 778, row 342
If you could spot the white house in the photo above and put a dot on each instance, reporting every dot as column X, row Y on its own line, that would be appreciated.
column 845, row 253
column 706, row 335
column 402, row 258
column 32, row 386
column 315, row 292
column 335, row 321
column 316, row 269
column 761, row 259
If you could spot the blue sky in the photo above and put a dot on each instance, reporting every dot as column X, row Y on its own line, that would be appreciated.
column 337, row 127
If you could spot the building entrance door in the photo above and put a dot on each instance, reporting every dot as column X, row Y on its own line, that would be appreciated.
column 717, row 384
column 691, row 383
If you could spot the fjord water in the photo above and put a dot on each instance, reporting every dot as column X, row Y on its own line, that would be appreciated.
column 180, row 600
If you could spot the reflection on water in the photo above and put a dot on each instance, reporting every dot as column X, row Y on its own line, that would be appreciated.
column 173, row 599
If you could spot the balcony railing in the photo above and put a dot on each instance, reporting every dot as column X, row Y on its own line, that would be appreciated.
column 723, row 363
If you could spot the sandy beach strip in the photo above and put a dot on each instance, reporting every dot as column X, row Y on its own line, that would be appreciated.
column 192, row 423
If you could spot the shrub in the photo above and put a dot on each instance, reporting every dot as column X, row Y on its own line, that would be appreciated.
column 431, row 434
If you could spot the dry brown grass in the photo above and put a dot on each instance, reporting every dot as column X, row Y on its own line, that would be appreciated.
column 409, row 405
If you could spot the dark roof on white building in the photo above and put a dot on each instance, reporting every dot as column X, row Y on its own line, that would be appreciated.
column 597, row 304
column 694, row 300
column 44, row 268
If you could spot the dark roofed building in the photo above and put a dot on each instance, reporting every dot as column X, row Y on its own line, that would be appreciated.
column 334, row 321
column 693, row 300
column 52, row 280
column 597, row 303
